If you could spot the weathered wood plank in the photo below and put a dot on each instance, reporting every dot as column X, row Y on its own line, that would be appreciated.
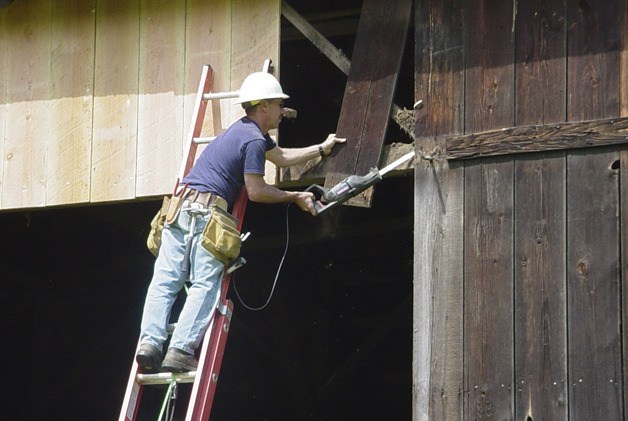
column 623, row 232
column 540, row 288
column 248, row 52
column 488, row 289
column 595, row 373
column 438, row 232
column 488, row 215
column 539, row 138
column 369, row 91
column 68, row 149
column 539, row 249
column 623, row 209
column 114, row 143
column 595, row 388
column 624, row 60
column 28, row 111
column 161, row 78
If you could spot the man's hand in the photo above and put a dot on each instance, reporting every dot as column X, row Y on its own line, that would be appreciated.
column 329, row 143
column 305, row 200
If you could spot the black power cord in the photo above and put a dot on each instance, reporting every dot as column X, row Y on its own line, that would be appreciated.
column 272, row 291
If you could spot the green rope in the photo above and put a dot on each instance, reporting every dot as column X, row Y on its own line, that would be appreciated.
column 171, row 385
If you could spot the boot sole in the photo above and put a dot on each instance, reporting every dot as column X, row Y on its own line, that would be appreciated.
column 148, row 363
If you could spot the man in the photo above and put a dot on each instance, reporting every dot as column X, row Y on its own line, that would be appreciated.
column 234, row 159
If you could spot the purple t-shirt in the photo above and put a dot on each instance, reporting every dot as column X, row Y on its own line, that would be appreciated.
column 221, row 167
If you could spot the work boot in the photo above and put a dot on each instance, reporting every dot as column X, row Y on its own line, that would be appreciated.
column 178, row 361
column 149, row 358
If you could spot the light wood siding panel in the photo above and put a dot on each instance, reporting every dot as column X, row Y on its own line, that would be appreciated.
column 28, row 105
column 255, row 27
column 160, row 114
column 208, row 41
column 68, row 148
column 114, row 143
column 4, row 50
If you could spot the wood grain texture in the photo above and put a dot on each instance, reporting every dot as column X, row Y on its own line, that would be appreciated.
column 623, row 154
column 439, row 199
column 68, row 148
column 488, row 215
column 116, row 73
column 592, row 230
column 541, row 138
column 4, row 52
column 368, row 96
column 540, row 217
column 28, row 110
column 540, row 287
column 255, row 28
column 161, row 86
column 207, row 41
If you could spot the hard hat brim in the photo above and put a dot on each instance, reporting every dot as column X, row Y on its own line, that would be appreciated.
column 278, row 96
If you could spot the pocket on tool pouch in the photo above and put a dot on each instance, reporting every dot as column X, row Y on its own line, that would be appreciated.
column 153, row 242
column 221, row 236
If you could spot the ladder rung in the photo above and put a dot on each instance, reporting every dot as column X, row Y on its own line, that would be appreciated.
column 165, row 378
column 220, row 95
column 203, row 140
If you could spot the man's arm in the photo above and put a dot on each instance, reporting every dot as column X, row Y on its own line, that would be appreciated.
column 259, row 191
column 285, row 157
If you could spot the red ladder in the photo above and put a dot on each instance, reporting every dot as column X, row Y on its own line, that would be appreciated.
column 205, row 377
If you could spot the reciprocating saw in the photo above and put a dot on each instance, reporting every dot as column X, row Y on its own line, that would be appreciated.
column 327, row 198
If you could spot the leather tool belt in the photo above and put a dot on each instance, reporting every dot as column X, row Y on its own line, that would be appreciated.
column 204, row 198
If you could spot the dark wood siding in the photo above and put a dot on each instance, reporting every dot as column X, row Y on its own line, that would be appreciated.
column 541, row 279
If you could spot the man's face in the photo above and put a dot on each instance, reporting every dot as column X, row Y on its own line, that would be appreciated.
column 275, row 110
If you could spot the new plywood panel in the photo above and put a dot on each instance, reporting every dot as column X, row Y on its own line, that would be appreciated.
column 161, row 79
column 28, row 109
column 68, row 146
column 208, row 41
column 255, row 30
column 114, row 143
column 4, row 50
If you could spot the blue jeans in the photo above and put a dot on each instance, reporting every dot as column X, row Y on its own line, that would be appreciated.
column 168, row 279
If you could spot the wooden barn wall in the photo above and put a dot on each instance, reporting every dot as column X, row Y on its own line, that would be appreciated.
column 96, row 96
column 518, row 260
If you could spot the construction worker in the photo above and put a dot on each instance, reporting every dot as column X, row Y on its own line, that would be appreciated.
column 234, row 159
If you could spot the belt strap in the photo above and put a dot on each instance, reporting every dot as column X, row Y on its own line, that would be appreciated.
column 205, row 198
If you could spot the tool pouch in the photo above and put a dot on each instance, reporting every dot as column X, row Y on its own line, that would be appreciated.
column 173, row 209
column 156, row 227
column 221, row 236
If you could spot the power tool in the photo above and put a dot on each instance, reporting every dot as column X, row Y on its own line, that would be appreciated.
column 327, row 198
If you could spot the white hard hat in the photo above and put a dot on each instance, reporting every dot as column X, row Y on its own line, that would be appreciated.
column 258, row 86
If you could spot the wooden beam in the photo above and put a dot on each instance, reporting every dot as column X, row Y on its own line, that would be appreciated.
column 402, row 116
column 526, row 139
column 368, row 95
